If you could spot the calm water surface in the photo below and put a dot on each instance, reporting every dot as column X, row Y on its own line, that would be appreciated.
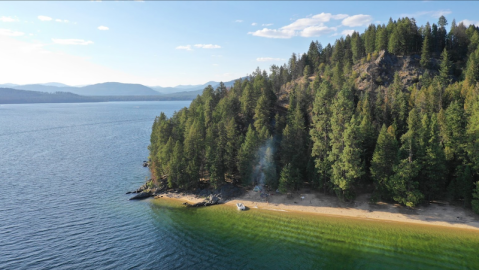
column 64, row 169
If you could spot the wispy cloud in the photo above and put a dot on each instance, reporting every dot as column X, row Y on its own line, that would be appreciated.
column 44, row 18
column 207, row 46
column 316, row 20
column 239, row 21
column 72, row 41
column 312, row 26
column 269, row 59
column 62, row 21
column 253, row 24
column 357, row 20
column 11, row 33
column 186, row 47
column 273, row 33
column 347, row 32
column 469, row 22
column 315, row 31
column 103, row 28
column 266, row 24
column 432, row 13
column 8, row 19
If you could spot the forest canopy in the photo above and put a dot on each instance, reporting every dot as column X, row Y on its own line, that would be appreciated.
column 326, row 120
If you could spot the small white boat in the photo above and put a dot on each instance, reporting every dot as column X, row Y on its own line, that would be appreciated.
column 240, row 206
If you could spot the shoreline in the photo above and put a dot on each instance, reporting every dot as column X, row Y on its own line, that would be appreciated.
column 319, row 204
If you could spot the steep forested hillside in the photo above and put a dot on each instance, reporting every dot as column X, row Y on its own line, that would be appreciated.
column 393, row 111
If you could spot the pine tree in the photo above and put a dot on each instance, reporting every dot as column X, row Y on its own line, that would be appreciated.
column 384, row 158
column 398, row 105
column 367, row 132
column 348, row 168
column 247, row 156
column 404, row 183
column 321, row 129
column 247, row 103
column 262, row 113
column 382, row 39
column 425, row 56
column 342, row 110
column 393, row 43
column 444, row 69
column 233, row 143
column 432, row 180
column 288, row 178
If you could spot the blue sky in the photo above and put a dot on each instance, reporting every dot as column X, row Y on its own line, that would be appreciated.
column 172, row 43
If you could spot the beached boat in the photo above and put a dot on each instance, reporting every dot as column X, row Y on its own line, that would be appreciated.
column 240, row 206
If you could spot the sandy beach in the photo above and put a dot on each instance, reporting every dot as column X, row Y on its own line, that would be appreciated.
column 436, row 214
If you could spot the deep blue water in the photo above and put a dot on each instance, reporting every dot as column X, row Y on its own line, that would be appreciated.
column 64, row 169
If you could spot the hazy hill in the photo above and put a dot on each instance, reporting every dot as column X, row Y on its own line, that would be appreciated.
column 15, row 96
column 187, row 88
column 55, row 84
column 116, row 89
column 101, row 89
column 45, row 88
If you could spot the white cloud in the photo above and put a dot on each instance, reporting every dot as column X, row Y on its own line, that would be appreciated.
column 315, row 31
column 266, row 24
column 72, row 41
column 357, row 20
column 8, row 19
column 432, row 13
column 186, row 47
column 44, row 18
column 11, row 33
column 253, row 24
column 207, row 46
column 101, row 27
column 239, row 21
column 273, row 33
column 316, row 20
column 469, row 22
column 347, row 32
column 312, row 26
column 269, row 59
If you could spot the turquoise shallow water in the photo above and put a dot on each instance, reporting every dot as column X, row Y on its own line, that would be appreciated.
column 64, row 169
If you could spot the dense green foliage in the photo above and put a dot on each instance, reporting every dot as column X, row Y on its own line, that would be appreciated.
column 403, row 142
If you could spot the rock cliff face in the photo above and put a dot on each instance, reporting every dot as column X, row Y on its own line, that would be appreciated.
column 380, row 72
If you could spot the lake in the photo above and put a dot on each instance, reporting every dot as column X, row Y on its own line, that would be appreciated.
column 64, row 171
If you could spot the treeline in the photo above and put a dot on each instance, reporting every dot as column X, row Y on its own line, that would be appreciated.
column 306, row 121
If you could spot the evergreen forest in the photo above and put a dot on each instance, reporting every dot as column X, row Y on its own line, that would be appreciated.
column 325, row 119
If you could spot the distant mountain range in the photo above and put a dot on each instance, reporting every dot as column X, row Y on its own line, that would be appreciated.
column 14, row 96
column 119, row 89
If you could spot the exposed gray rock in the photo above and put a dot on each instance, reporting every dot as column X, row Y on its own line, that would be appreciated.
column 141, row 195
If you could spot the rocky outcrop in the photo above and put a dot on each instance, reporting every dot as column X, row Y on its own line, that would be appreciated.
column 224, row 192
column 212, row 200
column 380, row 72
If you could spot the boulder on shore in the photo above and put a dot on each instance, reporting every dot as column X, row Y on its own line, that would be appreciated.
column 141, row 195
